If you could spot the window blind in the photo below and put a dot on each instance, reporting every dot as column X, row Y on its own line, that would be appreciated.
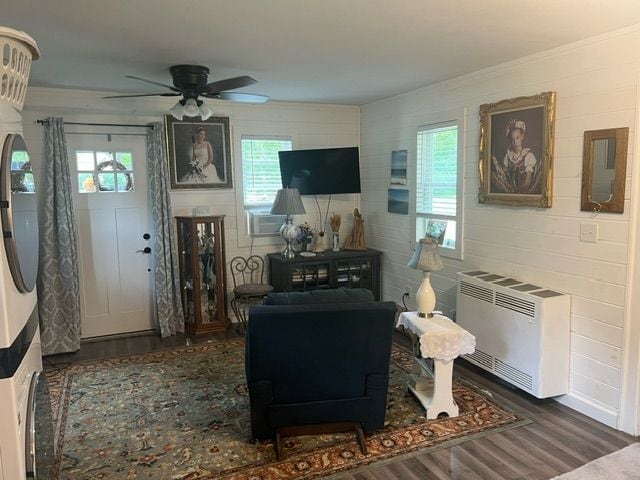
column 261, row 168
column 437, row 170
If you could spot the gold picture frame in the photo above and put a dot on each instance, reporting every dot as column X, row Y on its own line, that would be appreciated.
column 516, row 151
column 604, row 170
column 199, row 152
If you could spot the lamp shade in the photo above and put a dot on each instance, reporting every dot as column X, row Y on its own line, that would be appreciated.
column 426, row 257
column 288, row 202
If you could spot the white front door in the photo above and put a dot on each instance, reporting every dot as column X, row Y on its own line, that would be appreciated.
column 110, row 198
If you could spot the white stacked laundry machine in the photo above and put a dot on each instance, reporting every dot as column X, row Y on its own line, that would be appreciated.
column 26, row 444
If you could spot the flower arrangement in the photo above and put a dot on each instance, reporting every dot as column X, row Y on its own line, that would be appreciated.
column 305, row 235
column 196, row 171
column 335, row 221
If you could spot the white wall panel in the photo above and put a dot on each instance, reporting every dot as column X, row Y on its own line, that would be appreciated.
column 596, row 330
column 588, row 347
column 603, row 311
column 591, row 388
column 598, row 371
column 595, row 84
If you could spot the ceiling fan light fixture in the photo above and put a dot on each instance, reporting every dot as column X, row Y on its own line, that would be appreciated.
column 205, row 111
column 191, row 108
column 177, row 111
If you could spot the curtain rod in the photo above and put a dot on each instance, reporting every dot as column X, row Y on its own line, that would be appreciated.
column 147, row 125
column 109, row 135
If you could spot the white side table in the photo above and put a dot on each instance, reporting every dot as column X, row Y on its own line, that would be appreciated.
column 443, row 340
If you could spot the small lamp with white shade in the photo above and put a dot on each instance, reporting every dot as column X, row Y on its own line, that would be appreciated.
column 288, row 202
column 426, row 258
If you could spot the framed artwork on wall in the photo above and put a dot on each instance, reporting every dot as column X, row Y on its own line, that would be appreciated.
column 398, row 201
column 516, row 151
column 398, row 167
column 199, row 152
column 436, row 229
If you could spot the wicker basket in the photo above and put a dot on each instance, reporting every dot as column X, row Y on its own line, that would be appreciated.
column 17, row 49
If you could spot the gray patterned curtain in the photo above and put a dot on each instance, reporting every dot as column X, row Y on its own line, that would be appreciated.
column 58, row 279
column 165, row 259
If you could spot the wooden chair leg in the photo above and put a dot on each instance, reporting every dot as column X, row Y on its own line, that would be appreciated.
column 282, row 432
column 277, row 444
column 360, row 438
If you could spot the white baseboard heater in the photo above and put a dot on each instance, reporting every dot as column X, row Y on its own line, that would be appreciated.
column 522, row 331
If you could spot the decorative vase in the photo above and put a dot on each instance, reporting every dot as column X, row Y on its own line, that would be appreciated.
column 320, row 244
column 425, row 297
column 335, row 241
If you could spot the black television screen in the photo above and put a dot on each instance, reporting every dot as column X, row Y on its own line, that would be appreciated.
column 321, row 171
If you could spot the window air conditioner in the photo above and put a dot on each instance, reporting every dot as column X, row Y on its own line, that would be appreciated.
column 260, row 223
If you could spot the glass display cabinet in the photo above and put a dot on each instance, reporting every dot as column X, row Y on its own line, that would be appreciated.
column 203, row 272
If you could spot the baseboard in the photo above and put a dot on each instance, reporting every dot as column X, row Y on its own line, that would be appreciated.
column 114, row 336
column 590, row 408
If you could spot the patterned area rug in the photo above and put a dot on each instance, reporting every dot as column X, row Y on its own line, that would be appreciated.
column 183, row 414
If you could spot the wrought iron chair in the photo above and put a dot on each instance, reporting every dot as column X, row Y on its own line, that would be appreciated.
column 248, row 286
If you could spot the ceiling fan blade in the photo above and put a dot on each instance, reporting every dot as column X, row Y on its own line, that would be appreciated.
column 230, row 84
column 170, row 87
column 241, row 97
column 146, row 95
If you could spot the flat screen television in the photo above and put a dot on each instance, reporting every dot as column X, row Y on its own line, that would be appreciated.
column 321, row 171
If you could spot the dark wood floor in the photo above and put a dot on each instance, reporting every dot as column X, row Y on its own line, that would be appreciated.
column 558, row 440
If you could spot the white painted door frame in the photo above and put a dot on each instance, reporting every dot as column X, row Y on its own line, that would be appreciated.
column 629, row 419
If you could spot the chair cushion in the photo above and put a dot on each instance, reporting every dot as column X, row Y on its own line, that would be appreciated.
column 312, row 297
column 253, row 289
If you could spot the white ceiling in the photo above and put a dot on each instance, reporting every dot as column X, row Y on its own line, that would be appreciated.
column 330, row 51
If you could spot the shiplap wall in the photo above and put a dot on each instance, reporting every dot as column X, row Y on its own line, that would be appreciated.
column 309, row 125
column 595, row 83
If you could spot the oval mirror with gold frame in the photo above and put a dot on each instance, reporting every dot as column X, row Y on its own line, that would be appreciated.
column 604, row 167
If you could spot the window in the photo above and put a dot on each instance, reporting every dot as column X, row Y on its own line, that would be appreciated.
column 438, row 186
column 104, row 171
column 261, row 169
column 21, row 174
column 261, row 181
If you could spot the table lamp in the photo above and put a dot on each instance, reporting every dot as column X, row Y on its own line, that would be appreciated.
column 288, row 202
column 427, row 259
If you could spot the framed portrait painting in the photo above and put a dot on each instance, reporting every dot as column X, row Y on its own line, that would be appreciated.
column 516, row 151
column 199, row 152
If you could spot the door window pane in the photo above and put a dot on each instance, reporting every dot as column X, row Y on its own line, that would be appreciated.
column 84, row 161
column 126, row 159
column 106, row 182
column 86, row 183
column 104, row 171
column 125, row 182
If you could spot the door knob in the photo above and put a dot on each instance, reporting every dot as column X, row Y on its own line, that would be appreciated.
column 144, row 250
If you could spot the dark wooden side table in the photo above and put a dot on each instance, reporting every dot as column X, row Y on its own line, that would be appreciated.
column 348, row 269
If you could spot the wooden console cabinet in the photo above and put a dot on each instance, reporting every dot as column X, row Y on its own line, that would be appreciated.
column 203, row 274
column 349, row 269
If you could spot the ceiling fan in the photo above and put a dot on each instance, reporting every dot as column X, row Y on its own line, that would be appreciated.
column 190, row 82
